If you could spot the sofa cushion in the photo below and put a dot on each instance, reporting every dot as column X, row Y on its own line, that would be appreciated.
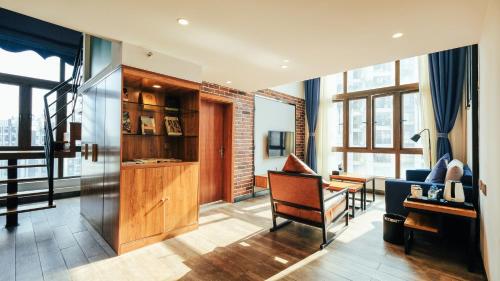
column 455, row 171
column 294, row 165
column 438, row 172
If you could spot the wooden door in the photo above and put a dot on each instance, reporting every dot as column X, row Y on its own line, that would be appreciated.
column 142, row 203
column 211, row 151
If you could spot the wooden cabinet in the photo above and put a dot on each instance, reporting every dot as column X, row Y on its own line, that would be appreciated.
column 133, row 205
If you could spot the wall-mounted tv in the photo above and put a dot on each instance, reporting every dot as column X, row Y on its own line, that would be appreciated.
column 280, row 144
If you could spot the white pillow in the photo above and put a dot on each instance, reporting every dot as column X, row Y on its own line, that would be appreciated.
column 455, row 170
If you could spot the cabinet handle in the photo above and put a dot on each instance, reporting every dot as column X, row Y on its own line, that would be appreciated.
column 86, row 151
column 94, row 152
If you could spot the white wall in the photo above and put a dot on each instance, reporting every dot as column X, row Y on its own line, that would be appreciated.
column 136, row 56
column 295, row 89
column 270, row 115
column 489, row 135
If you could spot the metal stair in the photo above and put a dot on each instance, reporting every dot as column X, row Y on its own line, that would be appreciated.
column 59, row 110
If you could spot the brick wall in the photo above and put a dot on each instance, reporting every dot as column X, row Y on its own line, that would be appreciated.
column 244, row 104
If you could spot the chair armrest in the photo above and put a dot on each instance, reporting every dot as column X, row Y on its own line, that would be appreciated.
column 417, row 175
column 337, row 194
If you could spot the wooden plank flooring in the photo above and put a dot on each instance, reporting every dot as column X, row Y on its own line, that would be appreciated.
column 232, row 243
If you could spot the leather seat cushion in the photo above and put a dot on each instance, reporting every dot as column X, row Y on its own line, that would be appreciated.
column 333, row 208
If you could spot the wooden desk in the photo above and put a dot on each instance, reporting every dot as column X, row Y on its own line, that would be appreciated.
column 346, row 177
column 428, row 217
column 352, row 188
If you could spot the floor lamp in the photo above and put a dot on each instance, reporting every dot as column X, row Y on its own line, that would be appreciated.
column 416, row 137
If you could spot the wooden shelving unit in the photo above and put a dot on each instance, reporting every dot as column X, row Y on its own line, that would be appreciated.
column 132, row 205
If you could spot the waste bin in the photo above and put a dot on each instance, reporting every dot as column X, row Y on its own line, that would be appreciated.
column 394, row 228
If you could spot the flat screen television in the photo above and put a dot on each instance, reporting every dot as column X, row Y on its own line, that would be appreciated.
column 280, row 143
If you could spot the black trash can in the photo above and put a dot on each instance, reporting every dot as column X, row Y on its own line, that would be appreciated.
column 394, row 228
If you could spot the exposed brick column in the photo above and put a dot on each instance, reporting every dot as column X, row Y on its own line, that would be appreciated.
column 244, row 105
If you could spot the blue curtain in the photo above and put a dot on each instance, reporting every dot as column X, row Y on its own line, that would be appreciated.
column 20, row 33
column 446, row 75
column 312, row 108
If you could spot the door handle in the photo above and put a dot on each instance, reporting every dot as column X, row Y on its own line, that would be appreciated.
column 94, row 152
column 221, row 152
column 85, row 151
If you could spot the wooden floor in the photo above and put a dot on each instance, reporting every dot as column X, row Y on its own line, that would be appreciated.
column 232, row 243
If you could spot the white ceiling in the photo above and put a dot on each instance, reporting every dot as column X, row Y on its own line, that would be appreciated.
column 247, row 41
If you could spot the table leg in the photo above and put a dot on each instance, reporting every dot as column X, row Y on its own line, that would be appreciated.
column 364, row 199
column 354, row 204
column 373, row 189
column 471, row 253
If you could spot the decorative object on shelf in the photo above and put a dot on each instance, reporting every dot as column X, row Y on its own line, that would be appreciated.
column 126, row 126
column 148, row 100
column 454, row 191
column 155, row 160
column 433, row 193
column 172, row 104
column 173, row 126
column 125, row 94
column 148, row 125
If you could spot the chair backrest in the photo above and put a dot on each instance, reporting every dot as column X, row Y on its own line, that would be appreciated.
column 298, row 189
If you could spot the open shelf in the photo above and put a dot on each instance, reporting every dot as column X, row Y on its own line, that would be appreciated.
column 130, row 105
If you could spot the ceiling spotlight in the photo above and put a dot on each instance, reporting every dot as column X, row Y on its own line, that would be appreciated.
column 397, row 35
column 286, row 61
column 284, row 66
column 229, row 82
column 182, row 21
column 157, row 86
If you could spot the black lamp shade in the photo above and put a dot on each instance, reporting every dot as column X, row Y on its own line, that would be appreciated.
column 415, row 137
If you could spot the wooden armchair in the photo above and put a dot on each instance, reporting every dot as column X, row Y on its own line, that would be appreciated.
column 299, row 197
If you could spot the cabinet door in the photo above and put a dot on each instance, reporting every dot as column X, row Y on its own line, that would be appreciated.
column 141, row 203
column 181, row 194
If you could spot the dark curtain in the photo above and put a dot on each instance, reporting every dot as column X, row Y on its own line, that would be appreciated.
column 446, row 77
column 20, row 33
column 312, row 108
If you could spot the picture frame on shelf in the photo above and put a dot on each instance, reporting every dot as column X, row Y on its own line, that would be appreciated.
column 173, row 126
column 148, row 126
column 148, row 100
column 125, row 94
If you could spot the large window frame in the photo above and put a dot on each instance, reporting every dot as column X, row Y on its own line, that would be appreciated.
column 26, row 86
column 396, row 91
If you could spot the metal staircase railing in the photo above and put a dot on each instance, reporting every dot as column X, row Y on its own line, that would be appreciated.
column 52, row 112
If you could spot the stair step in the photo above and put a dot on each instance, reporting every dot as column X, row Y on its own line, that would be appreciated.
column 23, row 166
column 22, row 180
column 24, row 194
column 26, row 208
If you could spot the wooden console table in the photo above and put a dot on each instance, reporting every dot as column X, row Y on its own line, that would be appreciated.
column 428, row 217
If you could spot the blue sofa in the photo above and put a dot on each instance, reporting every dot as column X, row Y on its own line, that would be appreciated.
column 397, row 190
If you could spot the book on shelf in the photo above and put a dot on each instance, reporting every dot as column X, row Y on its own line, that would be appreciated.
column 148, row 125
column 126, row 125
column 173, row 126
column 148, row 100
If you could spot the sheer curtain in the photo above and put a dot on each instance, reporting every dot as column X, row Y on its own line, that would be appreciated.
column 428, row 121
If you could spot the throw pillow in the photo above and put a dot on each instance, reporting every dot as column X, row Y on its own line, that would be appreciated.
column 438, row 172
column 455, row 171
column 294, row 165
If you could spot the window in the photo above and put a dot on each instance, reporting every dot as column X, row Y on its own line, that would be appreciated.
column 334, row 84
column 9, row 115
column 336, row 115
column 383, row 123
column 357, row 123
column 25, row 78
column 371, row 77
column 384, row 112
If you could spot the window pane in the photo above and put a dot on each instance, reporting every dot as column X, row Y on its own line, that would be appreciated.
column 9, row 114
column 68, row 71
column 409, row 71
column 412, row 120
column 72, row 166
column 29, row 64
column 371, row 77
column 37, row 116
column 411, row 161
column 357, row 123
column 383, row 121
column 334, row 159
column 33, row 172
column 375, row 164
column 334, row 84
column 337, row 120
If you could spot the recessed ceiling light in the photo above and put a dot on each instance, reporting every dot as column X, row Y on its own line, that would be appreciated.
column 182, row 21
column 284, row 66
column 157, row 86
column 397, row 35
column 286, row 61
column 229, row 82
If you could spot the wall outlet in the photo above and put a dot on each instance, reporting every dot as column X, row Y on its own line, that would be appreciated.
column 483, row 187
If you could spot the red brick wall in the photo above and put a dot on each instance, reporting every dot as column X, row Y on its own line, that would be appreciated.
column 244, row 103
